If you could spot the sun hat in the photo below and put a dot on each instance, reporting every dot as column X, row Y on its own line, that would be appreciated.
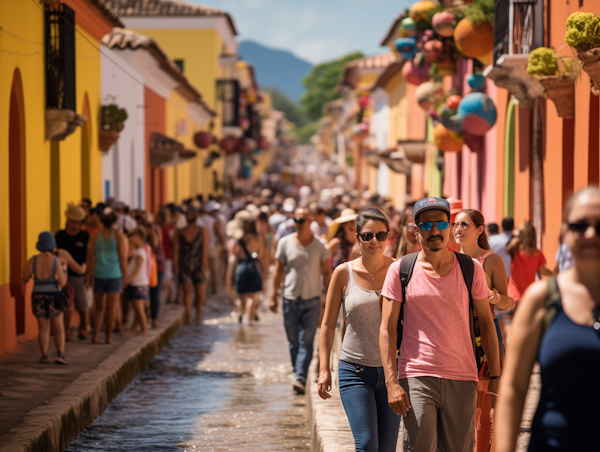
column 456, row 206
column 235, row 229
column 347, row 215
column 45, row 242
column 74, row 213
column 431, row 203
column 289, row 205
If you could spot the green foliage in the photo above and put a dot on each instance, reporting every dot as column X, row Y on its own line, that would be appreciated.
column 542, row 61
column 321, row 84
column 305, row 133
column 112, row 117
column 480, row 11
column 583, row 31
column 293, row 112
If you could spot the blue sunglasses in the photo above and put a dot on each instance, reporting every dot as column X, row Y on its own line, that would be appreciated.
column 427, row 225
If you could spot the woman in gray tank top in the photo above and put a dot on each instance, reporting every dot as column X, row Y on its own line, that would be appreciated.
column 356, row 286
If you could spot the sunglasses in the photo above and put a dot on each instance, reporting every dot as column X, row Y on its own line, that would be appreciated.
column 427, row 225
column 581, row 228
column 299, row 220
column 461, row 225
column 367, row 237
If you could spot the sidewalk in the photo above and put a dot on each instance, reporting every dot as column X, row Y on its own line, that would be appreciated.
column 43, row 407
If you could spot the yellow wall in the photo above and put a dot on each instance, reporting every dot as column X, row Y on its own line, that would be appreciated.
column 25, row 20
column 396, row 91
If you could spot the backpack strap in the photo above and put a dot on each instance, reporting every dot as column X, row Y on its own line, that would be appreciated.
column 407, row 265
column 552, row 302
column 243, row 245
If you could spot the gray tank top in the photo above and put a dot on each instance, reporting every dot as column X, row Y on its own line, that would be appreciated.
column 362, row 315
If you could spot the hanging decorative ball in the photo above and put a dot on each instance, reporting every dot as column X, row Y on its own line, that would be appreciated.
column 244, row 123
column 477, row 113
column 453, row 101
column 428, row 94
column 363, row 101
column 228, row 144
column 448, row 117
column 443, row 23
column 407, row 47
column 415, row 75
column 447, row 140
column 472, row 40
column 433, row 50
column 421, row 13
column 203, row 139
column 476, row 81
column 407, row 27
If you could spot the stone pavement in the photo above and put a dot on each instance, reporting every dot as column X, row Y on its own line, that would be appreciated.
column 43, row 407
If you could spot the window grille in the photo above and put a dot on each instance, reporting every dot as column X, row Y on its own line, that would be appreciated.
column 228, row 92
column 501, row 25
column 60, row 56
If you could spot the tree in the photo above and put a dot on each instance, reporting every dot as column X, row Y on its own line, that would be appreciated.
column 321, row 84
column 281, row 102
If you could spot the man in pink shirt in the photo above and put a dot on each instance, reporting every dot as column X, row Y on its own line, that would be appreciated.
column 433, row 383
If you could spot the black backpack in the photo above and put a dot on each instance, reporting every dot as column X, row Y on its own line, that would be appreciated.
column 407, row 264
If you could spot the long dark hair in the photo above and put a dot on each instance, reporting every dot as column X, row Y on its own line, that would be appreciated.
column 477, row 217
column 371, row 213
column 401, row 244
column 525, row 241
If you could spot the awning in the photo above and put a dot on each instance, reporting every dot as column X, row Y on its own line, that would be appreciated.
column 394, row 159
column 166, row 152
column 414, row 150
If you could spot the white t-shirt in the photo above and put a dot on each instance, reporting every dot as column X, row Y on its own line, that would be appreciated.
column 141, row 279
column 207, row 221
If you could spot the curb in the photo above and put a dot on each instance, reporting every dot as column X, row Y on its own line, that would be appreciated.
column 52, row 427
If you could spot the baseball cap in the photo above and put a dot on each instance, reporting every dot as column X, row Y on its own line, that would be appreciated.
column 431, row 203
column 211, row 206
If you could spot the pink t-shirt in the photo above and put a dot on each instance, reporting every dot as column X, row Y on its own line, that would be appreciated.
column 436, row 341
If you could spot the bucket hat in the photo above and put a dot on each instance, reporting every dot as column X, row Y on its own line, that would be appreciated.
column 45, row 242
column 74, row 213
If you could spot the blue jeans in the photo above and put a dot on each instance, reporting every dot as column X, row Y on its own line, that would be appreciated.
column 364, row 395
column 301, row 319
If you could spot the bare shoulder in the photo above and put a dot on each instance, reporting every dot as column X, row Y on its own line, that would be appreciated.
column 534, row 298
column 389, row 261
column 493, row 261
column 341, row 271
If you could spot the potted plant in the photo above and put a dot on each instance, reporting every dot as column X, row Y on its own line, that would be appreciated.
column 558, row 82
column 583, row 35
column 112, row 119
column 474, row 34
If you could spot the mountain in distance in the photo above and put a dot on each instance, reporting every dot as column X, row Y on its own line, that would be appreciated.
column 276, row 68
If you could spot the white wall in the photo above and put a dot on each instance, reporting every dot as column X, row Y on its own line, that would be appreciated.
column 380, row 127
column 123, row 165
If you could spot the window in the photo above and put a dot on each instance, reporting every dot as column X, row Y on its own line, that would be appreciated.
column 60, row 56
column 501, row 22
column 228, row 92
column 179, row 64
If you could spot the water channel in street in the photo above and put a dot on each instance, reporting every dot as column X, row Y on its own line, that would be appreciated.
column 220, row 386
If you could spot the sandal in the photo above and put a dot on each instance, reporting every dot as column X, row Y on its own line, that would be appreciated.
column 44, row 360
column 60, row 359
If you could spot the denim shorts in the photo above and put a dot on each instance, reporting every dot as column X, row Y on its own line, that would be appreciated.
column 137, row 292
column 114, row 285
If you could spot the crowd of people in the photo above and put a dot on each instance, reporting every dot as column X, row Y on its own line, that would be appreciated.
column 426, row 294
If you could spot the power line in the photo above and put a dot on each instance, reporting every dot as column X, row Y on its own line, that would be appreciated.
column 18, row 37
column 22, row 54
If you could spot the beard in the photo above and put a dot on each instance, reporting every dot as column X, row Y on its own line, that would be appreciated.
column 435, row 248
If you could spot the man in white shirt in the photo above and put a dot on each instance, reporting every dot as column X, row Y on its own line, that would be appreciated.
column 498, row 242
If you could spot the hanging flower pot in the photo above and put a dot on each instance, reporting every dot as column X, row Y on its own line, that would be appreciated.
column 583, row 35
column 228, row 144
column 443, row 23
column 477, row 113
column 561, row 91
column 447, row 140
column 203, row 139
column 106, row 138
column 415, row 75
column 474, row 40
column 590, row 63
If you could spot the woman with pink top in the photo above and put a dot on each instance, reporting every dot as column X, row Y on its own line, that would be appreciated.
column 469, row 233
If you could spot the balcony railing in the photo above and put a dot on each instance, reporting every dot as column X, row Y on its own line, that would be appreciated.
column 60, row 56
column 228, row 92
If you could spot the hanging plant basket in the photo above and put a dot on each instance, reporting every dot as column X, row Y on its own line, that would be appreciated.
column 106, row 138
column 560, row 89
column 590, row 63
column 474, row 40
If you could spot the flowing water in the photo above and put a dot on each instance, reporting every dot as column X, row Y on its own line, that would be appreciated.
column 219, row 386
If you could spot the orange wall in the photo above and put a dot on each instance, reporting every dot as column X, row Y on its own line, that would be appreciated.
column 155, row 122
column 522, row 165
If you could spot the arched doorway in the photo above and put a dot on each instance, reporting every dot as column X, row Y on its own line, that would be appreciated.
column 86, row 133
column 16, row 189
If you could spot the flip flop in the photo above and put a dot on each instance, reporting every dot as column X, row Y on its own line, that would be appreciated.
column 44, row 360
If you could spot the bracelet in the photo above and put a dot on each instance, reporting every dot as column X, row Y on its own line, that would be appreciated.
column 496, row 377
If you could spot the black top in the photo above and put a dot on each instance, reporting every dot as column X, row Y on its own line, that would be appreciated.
column 74, row 244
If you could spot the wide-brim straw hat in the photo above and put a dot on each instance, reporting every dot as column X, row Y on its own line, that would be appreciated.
column 346, row 216
column 74, row 213
column 235, row 229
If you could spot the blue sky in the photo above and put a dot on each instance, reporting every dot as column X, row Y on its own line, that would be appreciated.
column 315, row 30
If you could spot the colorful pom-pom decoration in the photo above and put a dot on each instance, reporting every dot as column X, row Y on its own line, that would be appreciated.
column 433, row 50
column 407, row 27
column 421, row 12
column 415, row 75
column 448, row 117
column 476, row 81
column 447, row 140
column 443, row 23
column 407, row 47
column 428, row 94
column 474, row 40
column 477, row 113
column 453, row 101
